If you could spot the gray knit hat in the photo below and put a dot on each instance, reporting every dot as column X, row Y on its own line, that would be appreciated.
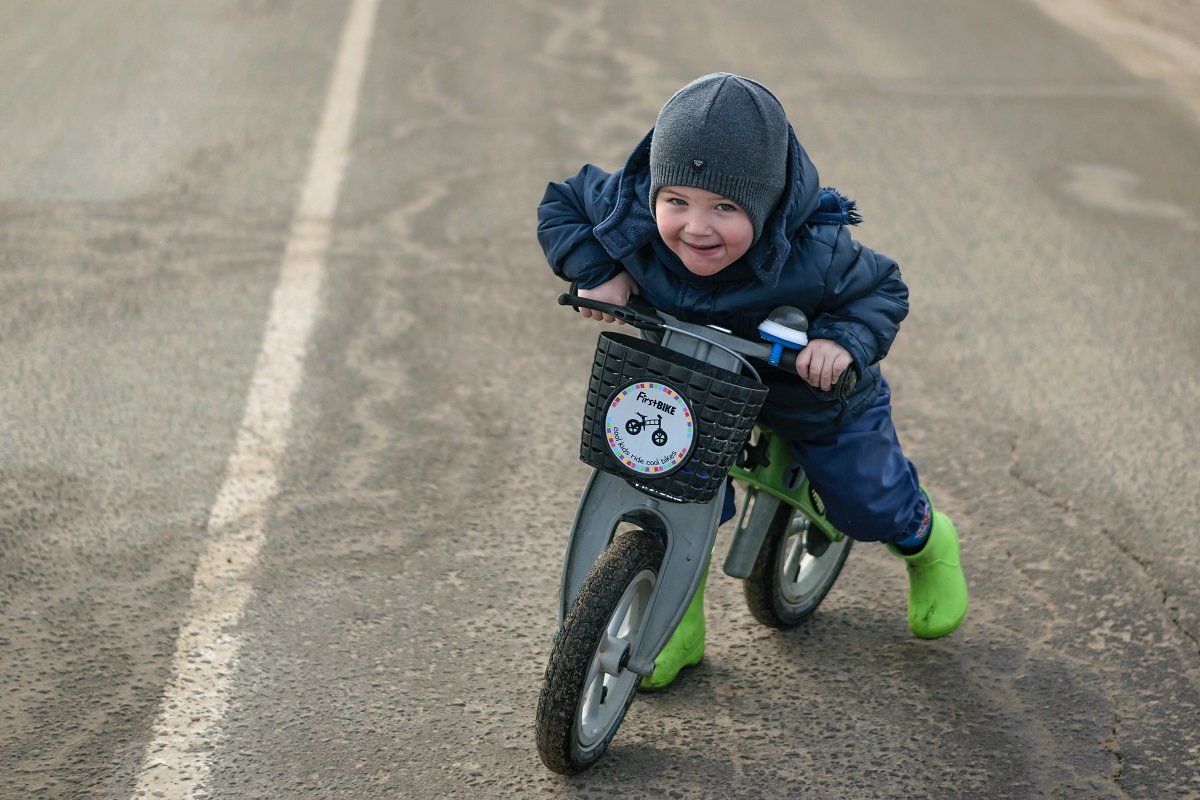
column 726, row 134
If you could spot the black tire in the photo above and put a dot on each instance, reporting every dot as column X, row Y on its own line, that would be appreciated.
column 795, row 569
column 581, row 706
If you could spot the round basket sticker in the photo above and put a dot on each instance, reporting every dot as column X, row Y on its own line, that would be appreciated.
column 649, row 428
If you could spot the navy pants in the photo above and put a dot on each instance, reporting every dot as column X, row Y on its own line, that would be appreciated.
column 870, row 489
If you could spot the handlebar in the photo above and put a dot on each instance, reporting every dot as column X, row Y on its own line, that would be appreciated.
column 637, row 313
column 641, row 315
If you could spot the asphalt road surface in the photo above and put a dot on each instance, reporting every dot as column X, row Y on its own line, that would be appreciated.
column 288, row 442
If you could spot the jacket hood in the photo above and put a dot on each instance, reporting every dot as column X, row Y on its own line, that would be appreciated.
column 630, row 225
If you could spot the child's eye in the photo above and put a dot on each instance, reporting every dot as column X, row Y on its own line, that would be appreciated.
column 677, row 201
column 727, row 207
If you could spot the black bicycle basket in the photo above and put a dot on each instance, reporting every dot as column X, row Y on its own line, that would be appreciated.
column 669, row 424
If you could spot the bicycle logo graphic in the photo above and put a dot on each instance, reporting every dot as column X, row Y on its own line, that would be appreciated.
column 634, row 426
column 657, row 408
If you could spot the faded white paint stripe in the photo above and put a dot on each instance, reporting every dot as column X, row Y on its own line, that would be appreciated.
column 178, row 760
column 1150, row 50
column 1155, row 52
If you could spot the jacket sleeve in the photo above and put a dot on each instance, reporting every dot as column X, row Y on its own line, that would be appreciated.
column 864, row 303
column 566, row 216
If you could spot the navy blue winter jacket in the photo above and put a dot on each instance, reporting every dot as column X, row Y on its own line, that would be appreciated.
column 595, row 223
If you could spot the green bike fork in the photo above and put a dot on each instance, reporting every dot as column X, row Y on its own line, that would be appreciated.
column 773, row 478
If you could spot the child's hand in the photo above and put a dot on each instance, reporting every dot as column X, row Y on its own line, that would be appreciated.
column 615, row 291
column 822, row 362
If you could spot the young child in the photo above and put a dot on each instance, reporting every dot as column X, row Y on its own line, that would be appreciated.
column 717, row 217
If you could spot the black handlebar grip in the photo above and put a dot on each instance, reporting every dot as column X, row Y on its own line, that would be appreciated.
column 595, row 305
column 787, row 361
column 845, row 382
column 639, row 317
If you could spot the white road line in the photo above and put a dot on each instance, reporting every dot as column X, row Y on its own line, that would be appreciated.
column 1149, row 49
column 177, row 760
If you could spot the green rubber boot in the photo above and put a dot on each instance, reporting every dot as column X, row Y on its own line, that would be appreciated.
column 684, row 648
column 937, row 589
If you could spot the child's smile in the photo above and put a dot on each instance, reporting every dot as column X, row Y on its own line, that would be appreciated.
column 707, row 231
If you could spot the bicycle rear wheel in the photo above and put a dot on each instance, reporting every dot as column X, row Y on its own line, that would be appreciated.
column 587, row 688
column 795, row 569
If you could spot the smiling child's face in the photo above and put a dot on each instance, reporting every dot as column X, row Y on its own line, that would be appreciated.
column 707, row 231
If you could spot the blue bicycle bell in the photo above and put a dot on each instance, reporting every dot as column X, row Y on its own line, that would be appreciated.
column 786, row 327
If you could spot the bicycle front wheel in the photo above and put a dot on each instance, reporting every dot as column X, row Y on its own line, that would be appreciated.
column 587, row 687
column 795, row 569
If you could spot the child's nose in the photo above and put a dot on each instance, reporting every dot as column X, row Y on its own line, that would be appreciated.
column 698, row 223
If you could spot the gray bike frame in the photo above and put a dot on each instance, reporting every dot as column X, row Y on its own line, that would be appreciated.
column 690, row 529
